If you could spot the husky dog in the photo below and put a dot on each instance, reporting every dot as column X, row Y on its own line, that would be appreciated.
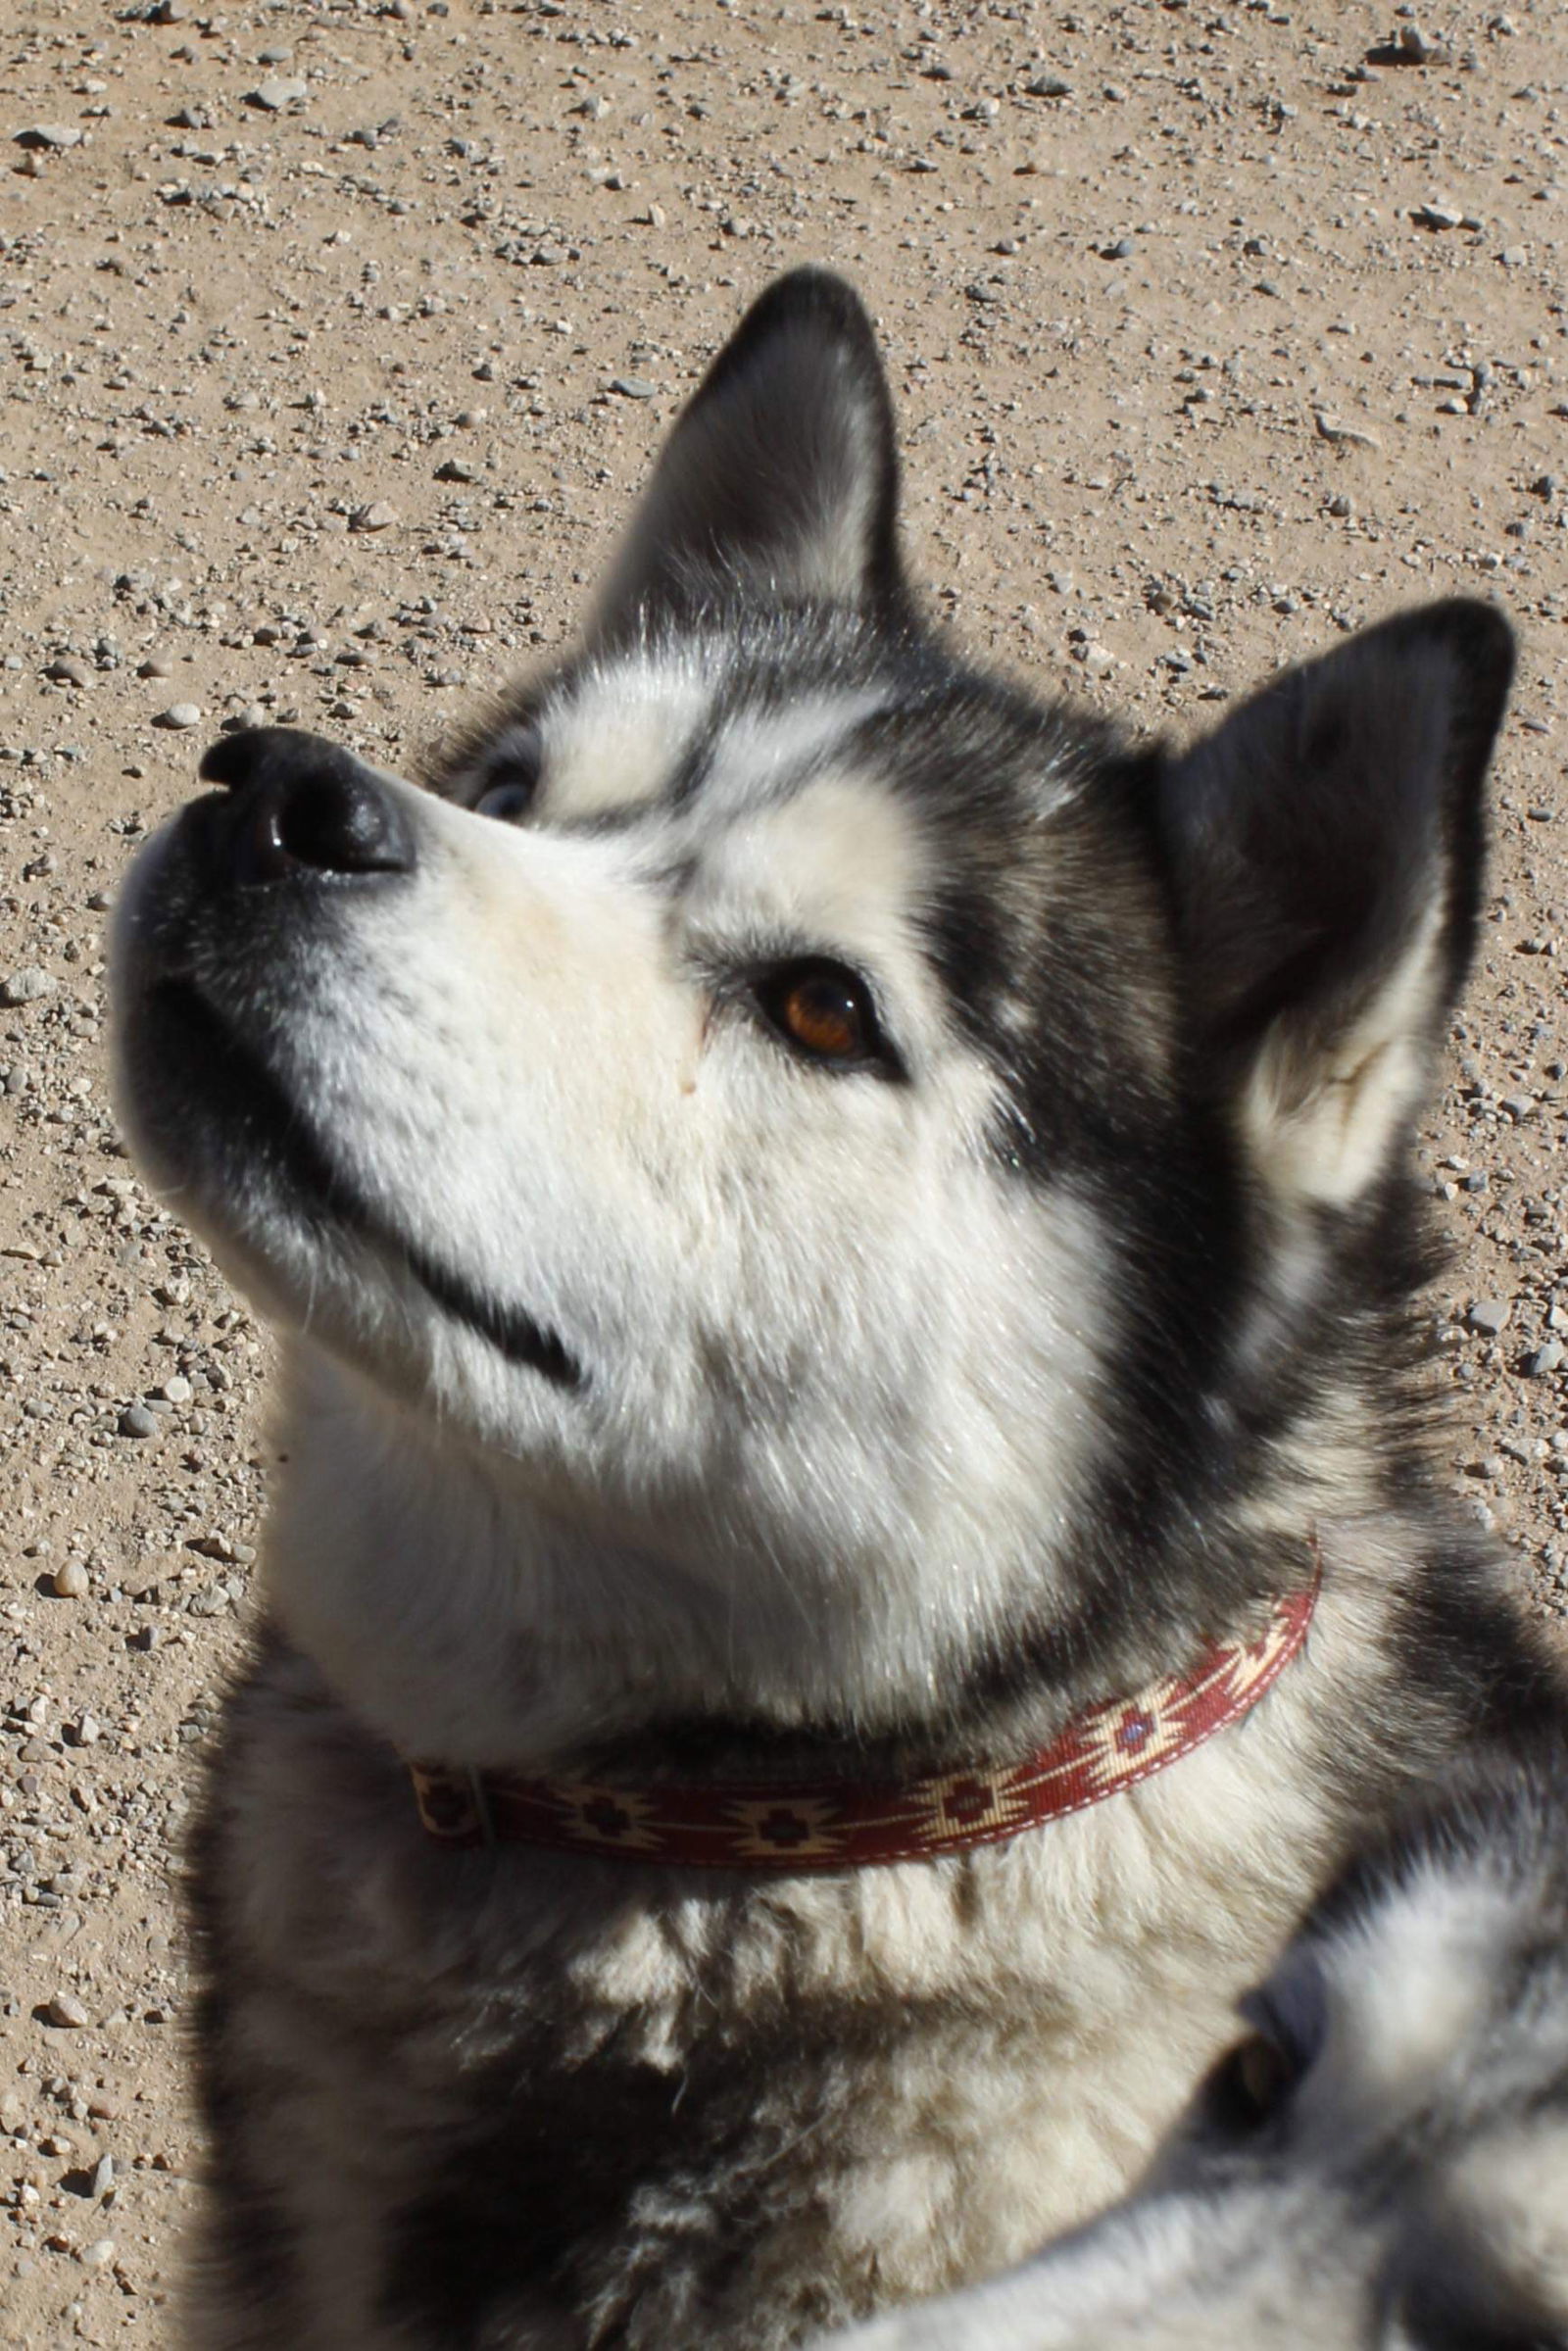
column 846, row 1268
column 1384, row 2160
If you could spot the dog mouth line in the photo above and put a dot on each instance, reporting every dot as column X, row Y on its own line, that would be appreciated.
column 308, row 1167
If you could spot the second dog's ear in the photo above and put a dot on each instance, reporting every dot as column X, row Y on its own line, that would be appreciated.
column 1326, row 845
column 780, row 479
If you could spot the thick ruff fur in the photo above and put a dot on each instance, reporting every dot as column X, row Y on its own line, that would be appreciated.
column 1384, row 2160
column 825, row 1216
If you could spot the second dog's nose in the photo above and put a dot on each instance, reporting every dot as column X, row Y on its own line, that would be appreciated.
column 304, row 806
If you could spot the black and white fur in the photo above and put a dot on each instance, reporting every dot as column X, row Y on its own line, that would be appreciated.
column 1384, row 2160
column 661, row 1401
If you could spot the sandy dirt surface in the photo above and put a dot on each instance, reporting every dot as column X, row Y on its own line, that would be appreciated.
column 333, row 341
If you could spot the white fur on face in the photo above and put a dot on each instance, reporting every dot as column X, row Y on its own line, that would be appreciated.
column 619, row 740
column 822, row 1336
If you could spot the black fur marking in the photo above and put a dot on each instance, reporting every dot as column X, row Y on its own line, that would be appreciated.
column 695, row 766
column 567, row 2153
column 248, row 2257
column 572, row 2160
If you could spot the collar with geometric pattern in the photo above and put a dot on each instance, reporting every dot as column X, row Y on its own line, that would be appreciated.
column 819, row 1825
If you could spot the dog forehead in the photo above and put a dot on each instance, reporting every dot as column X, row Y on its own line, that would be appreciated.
column 618, row 738
column 765, row 753
column 840, row 859
column 676, row 728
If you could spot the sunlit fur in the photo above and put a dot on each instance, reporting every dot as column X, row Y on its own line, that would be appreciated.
column 1408, row 2188
column 656, row 1400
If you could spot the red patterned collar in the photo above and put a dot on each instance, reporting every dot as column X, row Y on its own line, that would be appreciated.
column 794, row 1826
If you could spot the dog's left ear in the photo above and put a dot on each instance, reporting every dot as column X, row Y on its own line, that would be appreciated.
column 1327, row 846
column 780, row 479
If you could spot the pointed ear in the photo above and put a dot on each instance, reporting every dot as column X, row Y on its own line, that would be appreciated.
column 780, row 477
column 1326, row 844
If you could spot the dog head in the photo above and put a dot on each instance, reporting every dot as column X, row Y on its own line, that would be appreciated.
column 835, row 1150
column 1384, row 2161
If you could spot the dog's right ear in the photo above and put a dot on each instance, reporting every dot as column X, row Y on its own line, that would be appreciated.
column 780, row 479
column 1325, row 845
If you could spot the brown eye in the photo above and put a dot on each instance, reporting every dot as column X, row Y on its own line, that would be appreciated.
column 825, row 1016
column 826, row 1013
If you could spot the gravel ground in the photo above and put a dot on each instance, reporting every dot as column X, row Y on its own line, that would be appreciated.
column 333, row 339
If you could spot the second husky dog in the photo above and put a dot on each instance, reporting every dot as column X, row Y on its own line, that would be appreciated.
column 1384, row 2160
column 854, row 1523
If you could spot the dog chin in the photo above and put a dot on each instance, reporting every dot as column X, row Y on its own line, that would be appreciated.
column 291, row 1225
column 201, row 1153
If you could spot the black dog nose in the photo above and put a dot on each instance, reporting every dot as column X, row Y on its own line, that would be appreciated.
column 304, row 806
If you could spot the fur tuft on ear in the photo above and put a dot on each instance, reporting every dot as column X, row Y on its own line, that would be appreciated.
column 780, row 477
column 1326, row 844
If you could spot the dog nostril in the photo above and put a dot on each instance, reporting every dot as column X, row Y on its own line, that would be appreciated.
column 339, row 824
column 303, row 805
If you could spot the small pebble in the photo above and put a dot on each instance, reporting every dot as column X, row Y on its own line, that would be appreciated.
column 55, row 135
column 1098, row 659
column 27, row 986
column 274, row 95
column 138, row 1420
column 71, row 1582
column 65, row 2010
column 95, row 2255
column 1489, row 1315
column 68, row 672
column 1351, row 436
column 179, row 714
column 633, row 387
column 379, row 514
